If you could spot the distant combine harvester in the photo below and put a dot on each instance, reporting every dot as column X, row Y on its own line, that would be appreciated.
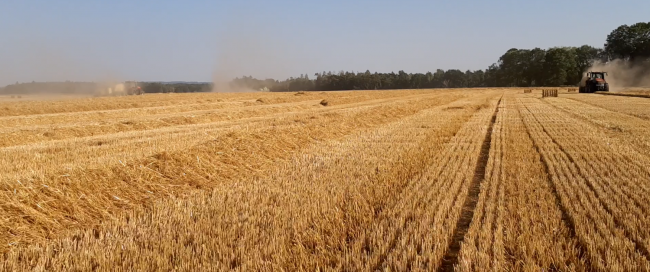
column 121, row 89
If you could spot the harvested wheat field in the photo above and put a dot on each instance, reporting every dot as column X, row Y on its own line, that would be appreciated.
column 412, row 180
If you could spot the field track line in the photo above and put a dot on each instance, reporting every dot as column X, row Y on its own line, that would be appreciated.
column 235, row 105
column 624, row 94
column 566, row 218
column 638, row 245
column 604, row 127
column 182, row 131
column 377, row 249
column 467, row 212
column 595, row 106
column 601, row 107
column 411, row 187
column 397, row 104
column 190, row 128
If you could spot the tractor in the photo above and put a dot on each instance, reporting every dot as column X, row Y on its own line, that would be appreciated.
column 132, row 88
column 594, row 82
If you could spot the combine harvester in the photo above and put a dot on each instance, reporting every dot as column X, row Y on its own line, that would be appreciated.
column 121, row 89
column 594, row 82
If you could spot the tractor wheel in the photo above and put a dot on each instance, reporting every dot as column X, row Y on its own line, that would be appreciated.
column 581, row 89
column 606, row 88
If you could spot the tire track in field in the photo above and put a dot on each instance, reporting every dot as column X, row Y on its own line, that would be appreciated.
column 421, row 224
column 642, row 117
column 634, row 127
column 569, row 222
column 462, row 225
column 517, row 225
column 412, row 224
column 597, row 196
column 641, row 148
column 625, row 95
column 639, row 245
column 399, row 230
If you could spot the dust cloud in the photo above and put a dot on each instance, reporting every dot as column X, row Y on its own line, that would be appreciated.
column 44, row 66
column 624, row 75
column 251, row 46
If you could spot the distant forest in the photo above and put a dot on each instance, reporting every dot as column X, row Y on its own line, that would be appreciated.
column 555, row 66
column 70, row 87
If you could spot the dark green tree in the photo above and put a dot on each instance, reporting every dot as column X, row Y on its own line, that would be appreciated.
column 585, row 57
column 558, row 63
column 629, row 42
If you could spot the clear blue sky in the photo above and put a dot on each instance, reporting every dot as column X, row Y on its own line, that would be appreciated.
column 202, row 40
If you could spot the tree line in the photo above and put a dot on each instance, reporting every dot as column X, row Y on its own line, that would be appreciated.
column 157, row 87
column 537, row 67
column 556, row 66
column 71, row 87
column 516, row 68
column 67, row 87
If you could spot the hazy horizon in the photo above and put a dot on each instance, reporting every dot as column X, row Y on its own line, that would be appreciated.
column 205, row 41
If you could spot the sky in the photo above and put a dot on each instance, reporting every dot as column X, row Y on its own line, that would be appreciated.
column 194, row 40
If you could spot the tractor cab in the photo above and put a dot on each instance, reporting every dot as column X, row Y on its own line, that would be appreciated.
column 594, row 82
column 597, row 75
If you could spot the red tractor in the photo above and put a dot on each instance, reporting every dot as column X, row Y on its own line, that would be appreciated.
column 594, row 82
column 132, row 88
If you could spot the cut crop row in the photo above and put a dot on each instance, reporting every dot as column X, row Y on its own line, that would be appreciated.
column 624, row 128
column 295, row 215
column 602, row 188
column 36, row 160
column 161, row 103
column 417, row 230
column 43, row 206
column 639, row 107
column 518, row 225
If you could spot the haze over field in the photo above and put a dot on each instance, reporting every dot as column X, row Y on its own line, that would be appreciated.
column 210, row 40
column 337, row 136
column 622, row 76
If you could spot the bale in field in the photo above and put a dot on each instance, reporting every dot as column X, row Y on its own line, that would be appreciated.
column 324, row 102
column 260, row 100
column 300, row 93
column 549, row 93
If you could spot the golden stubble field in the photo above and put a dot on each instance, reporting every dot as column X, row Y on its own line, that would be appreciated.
column 412, row 180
